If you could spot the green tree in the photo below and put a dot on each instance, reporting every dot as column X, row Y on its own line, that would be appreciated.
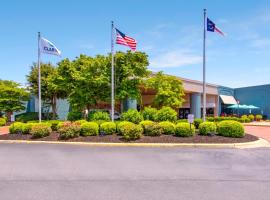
column 50, row 90
column 12, row 97
column 169, row 90
column 130, row 71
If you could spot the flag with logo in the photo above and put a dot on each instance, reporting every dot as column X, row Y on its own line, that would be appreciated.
column 48, row 47
column 211, row 26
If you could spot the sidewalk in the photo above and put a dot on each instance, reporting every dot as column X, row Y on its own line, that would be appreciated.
column 4, row 130
column 259, row 131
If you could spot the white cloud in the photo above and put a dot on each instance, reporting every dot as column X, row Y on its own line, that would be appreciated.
column 176, row 58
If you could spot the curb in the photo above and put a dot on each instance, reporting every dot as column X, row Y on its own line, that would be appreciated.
column 258, row 125
column 258, row 143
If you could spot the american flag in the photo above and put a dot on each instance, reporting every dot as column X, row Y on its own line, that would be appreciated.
column 122, row 39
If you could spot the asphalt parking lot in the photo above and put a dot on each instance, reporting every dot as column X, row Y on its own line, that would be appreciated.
column 50, row 171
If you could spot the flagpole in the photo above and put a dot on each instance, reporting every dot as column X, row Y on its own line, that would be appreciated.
column 112, row 73
column 204, row 84
column 39, row 81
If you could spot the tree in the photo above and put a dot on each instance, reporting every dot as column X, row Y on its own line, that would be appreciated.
column 130, row 70
column 12, row 97
column 169, row 90
column 50, row 91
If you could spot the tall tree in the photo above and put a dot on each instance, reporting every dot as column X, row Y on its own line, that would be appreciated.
column 169, row 90
column 12, row 97
column 50, row 91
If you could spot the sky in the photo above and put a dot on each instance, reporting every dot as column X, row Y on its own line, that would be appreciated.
column 170, row 32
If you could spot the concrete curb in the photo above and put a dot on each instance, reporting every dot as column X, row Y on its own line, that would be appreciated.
column 258, row 125
column 258, row 143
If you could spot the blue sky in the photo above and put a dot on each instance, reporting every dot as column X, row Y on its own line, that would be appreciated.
column 170, row 32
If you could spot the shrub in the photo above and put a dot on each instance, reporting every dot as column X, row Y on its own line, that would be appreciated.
column 149, row 113
column 181, row 120
column 122, row 124
column 197, row 122
column 74, row 115
column 244, row 116
column 184, row 129
column 207, row 127
column 153, row 129
column 3, row 121
column 146, row 123
column 251, row 117
column 99, row 115
column 28, row 116
column 89, row 129
column 132, row 115
column 168, row 128
column 68, row 130
column 131, row 131
column 16, row 127
column 26, row 128
column 108, row 128
column 54, row 124
column 210, row 119
column 231, row 129
column 166, row 114
column 40, row 130
column 259, row 117
column 81, row 121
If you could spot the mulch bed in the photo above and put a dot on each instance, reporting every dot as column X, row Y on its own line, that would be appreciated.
column 145, row 139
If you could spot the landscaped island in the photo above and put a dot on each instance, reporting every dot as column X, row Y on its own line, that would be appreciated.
column 159, row 126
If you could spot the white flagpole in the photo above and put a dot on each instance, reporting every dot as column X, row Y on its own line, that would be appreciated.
column 112, row 73
column 204, row 84
column 39, row 80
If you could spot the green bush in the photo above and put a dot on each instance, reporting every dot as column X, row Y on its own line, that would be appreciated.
column 68, row 130
column 99, row 115
column 145, row 123
column 108, row 128
column 54, row 124
column 259, row 118
column 153, row 130
column 16, row 127
column 120, row 126
column 74, row 115
column 81, row 121
column 244, row 116
column 207, row 127
column 184, row 129
column 210, row 119
column 25, row 117
column 197, row 122
column 149, row 113
column 166, row 114
column 132, row 115
column 131, row 131
column 251, row 117
column 40, row 130
column 3, row 121
column 231, row 129
column 26, row 128
column 181, row 120
column 168, row 128
column 89, row 129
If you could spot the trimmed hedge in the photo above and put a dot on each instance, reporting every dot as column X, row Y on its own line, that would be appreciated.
column 74, row 115
column 89, row 129
column 207, row 127
column 81, row 121
column 108, row 128
column 40, row 130
column 166, row 114
column 168, row 128
column 54, row 124
column 26, row 128
column 16, row 127
column 146, row 123
column 153, row 130
column 184, row 129
column 131, row 131
column 231, row 129
column 121, row 125
column 3, row 121
column 251, row 117
column 133, row 116
column 149, row 113
column 259, row 117
column 99, row 115
column 68, row 130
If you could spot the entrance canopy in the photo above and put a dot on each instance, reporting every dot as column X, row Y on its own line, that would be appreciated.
column 226, row 99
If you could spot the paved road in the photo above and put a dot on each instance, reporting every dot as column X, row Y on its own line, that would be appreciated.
column 49, row 171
